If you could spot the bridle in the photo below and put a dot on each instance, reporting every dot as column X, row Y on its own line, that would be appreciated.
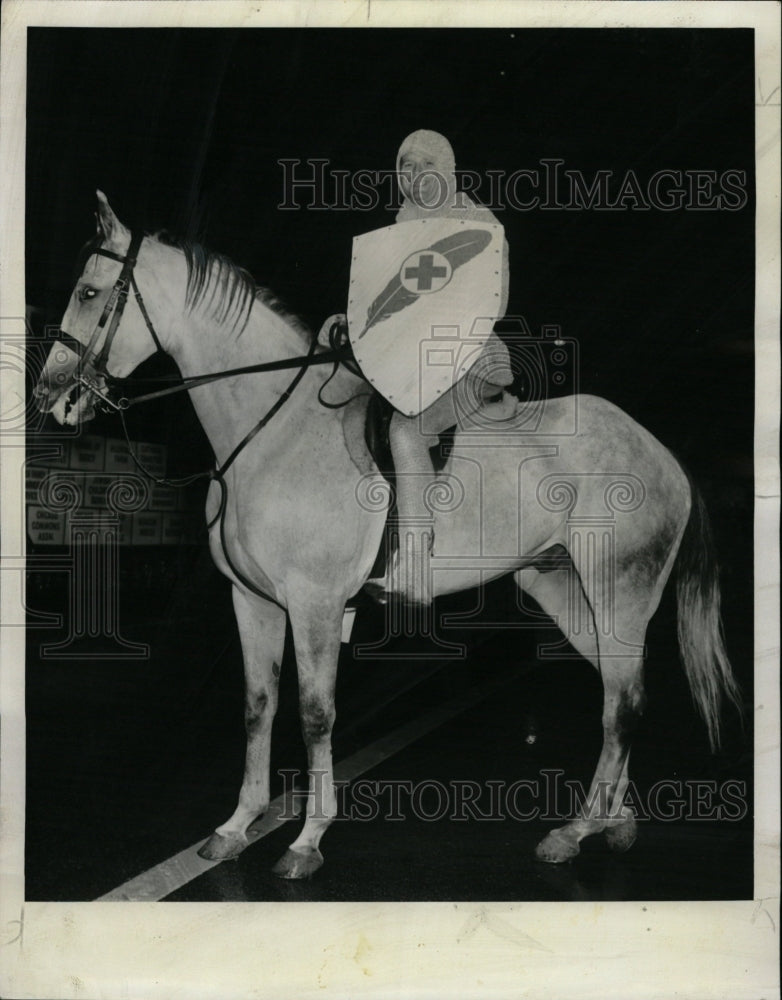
column 92, row 361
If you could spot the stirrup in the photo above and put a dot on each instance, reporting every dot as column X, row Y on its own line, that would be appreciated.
column 383, row 589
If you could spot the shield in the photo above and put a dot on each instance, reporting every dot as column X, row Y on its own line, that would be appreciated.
column 424, row 296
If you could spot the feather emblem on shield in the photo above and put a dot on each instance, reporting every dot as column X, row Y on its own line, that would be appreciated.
column 457, row 249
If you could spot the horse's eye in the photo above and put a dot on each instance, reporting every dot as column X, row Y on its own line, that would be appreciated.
column 87, row 293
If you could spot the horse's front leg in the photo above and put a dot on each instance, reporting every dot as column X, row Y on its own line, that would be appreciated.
column 316, row 636
column 262, row 631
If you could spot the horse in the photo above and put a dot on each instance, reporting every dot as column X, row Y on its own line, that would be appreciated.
column 296, row 518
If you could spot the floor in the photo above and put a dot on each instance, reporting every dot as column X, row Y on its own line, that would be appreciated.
column 132, row 762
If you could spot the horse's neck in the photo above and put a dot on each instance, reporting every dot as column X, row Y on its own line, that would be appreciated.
column 229, row 407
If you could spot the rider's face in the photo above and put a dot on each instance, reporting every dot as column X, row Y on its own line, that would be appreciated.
column 420, row 180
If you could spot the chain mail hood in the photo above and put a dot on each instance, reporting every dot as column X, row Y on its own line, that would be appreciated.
column 434, row 192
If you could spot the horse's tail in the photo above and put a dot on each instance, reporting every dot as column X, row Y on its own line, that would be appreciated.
column 701, row 642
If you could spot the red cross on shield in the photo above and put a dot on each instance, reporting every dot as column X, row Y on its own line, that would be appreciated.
column 423, row 299
column 425, row 271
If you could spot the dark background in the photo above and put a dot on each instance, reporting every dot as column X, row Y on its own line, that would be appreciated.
column 183, row 131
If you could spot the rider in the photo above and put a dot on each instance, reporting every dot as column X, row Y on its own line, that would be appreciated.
column 426, row 173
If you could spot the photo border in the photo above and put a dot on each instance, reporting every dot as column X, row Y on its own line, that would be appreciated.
column 632, row 949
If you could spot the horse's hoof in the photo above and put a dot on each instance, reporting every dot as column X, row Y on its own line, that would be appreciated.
column 557, row 847
column 223, row 847
column 621, row 838
column 298, row 864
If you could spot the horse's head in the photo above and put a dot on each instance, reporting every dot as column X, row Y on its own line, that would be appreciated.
column 100, row 336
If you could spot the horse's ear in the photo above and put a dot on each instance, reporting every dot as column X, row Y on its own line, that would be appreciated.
column 109, row 225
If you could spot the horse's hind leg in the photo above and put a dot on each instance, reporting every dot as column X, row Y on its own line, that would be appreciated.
column 620, row 662
column 316, row 635
column 603, row 809
column 621, row 831
column 262, row 631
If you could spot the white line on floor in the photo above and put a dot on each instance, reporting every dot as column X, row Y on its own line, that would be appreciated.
column 160, row 881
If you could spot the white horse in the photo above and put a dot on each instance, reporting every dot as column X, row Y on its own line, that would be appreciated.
column 296, row 524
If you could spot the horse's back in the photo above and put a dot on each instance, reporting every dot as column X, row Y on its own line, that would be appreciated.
column 593, row 435
column 572, row 457
column 618, row 470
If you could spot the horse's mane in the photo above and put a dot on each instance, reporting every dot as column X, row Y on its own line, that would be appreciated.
column 227, row 290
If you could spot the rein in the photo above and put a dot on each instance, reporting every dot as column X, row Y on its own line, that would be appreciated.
column 193, row 381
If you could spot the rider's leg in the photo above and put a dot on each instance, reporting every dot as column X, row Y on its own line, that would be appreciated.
column 483, row 386
column 493, row 364
column 414, row 475
column 412, row 437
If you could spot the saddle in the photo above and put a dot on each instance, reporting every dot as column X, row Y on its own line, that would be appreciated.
column 376, row 435
column 376, row 410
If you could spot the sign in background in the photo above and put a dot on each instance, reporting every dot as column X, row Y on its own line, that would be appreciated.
column 98, row 475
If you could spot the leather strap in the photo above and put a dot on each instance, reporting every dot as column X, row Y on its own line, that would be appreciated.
column 219, row 473
column 120, row 294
